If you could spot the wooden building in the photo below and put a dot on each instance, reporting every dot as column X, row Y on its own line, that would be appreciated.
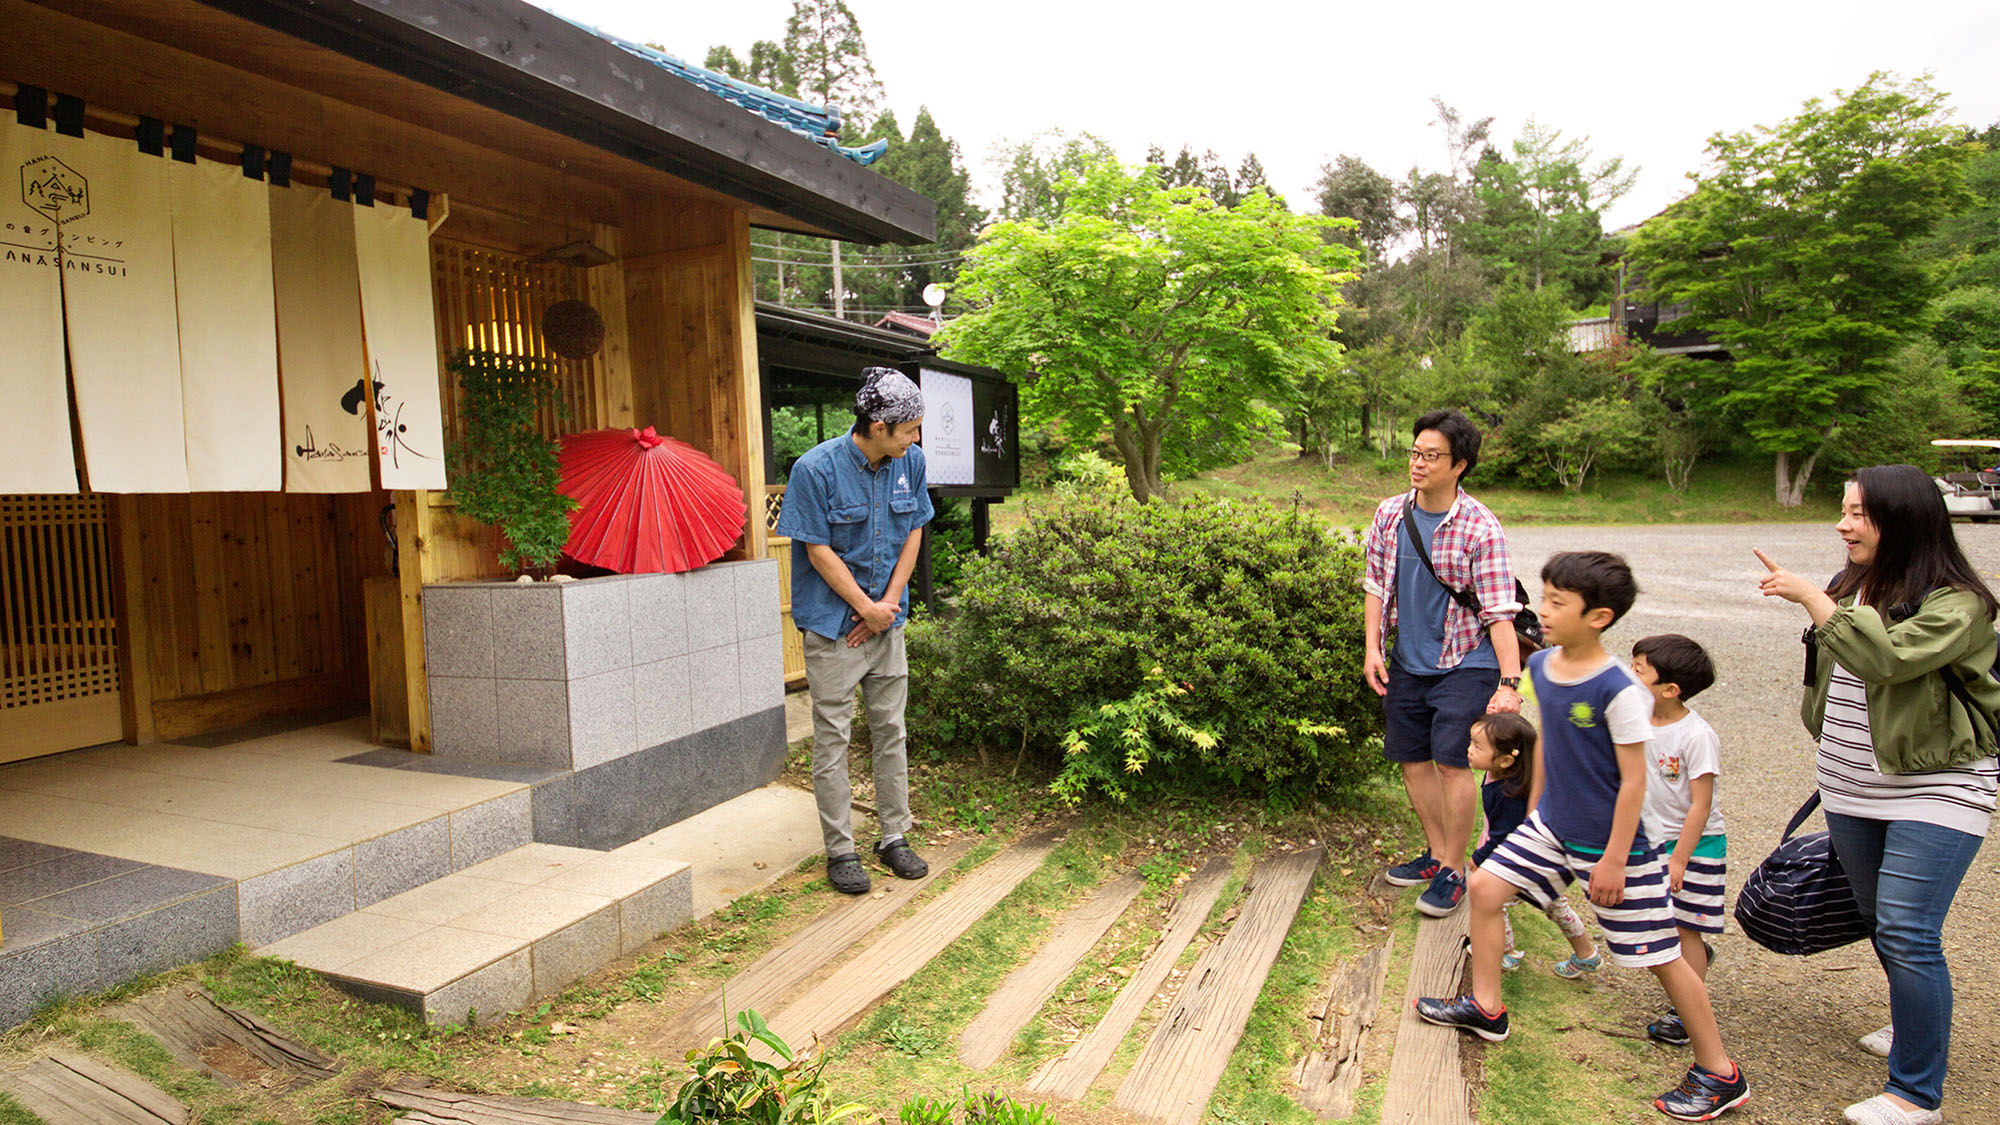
column 142, row 616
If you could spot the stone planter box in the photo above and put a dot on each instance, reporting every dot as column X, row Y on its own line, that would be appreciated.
column 575, row 675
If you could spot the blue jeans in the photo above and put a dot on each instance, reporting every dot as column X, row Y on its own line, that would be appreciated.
column 1904, row 875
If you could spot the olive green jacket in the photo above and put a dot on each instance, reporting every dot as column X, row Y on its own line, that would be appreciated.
column 1916, row 723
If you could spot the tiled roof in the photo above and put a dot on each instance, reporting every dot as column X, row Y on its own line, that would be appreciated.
column 821, row 123
column 907, row 322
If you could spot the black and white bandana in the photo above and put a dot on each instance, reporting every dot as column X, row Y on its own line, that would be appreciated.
column 888, row 395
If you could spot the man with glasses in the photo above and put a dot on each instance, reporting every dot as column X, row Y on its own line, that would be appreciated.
column 1449, row 664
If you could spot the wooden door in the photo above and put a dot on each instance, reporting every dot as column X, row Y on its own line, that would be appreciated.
column 58, row 626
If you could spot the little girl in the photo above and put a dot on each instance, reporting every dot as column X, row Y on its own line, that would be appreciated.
column 1503, row 745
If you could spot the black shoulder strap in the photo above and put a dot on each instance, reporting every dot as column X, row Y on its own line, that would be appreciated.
column 1466, row 598
column 1799, row 817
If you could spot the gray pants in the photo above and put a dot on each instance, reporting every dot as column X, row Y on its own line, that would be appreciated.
column 881, row 669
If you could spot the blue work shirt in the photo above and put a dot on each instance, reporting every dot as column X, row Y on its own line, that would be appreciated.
column 864, row 514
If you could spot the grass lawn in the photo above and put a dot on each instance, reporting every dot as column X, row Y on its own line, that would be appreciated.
column 588, row 1044
column 1719, row 492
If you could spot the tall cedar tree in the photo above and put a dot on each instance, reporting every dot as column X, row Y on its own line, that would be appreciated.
column 1142, row 309
column 1797, row 251
column 823, row 41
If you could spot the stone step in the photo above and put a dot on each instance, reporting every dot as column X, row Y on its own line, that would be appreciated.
column 500, row 934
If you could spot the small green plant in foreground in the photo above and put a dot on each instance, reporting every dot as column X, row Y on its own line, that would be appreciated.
column 975, row 1109
column 731, row 1086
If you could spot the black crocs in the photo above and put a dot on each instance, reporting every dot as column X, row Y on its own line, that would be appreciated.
column 898, row 857
column 846, row 875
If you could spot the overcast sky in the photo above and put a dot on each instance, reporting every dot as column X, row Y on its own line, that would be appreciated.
column 1299, row 83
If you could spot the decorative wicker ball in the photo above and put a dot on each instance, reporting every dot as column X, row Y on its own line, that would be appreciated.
column 573, row 329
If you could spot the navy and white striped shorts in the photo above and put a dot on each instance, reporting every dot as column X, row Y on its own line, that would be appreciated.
column 1639, row 931
column 1698, row 904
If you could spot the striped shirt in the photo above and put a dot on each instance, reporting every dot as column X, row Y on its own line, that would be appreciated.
column 1469, row 551
column 1850, row 782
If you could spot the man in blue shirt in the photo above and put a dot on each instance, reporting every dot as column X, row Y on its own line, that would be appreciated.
column 855, row 509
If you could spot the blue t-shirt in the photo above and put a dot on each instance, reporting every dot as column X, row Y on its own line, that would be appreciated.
column 1420, row 605
column 1579, row 755
column 865, row 515
column 1503, row 815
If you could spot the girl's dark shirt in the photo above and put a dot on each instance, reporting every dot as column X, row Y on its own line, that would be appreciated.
column 1503, row 815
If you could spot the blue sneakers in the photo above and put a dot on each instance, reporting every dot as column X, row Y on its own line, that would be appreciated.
column 1702, row 1096
column 1446, row 891
column 1419, row 870
column 1464, row 1013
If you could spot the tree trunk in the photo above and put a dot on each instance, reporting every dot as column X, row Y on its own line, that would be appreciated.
column 1792, row 486
column 1129, row 451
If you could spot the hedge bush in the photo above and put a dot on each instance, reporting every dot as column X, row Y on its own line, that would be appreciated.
column 1064, row 635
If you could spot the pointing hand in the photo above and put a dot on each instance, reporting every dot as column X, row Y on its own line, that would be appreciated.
column 1782, row 583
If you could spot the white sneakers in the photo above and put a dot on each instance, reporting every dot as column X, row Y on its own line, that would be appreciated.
column 1877, row 1042
column 1879, row 1110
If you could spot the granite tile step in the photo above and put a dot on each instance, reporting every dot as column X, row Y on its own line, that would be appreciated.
column 500, row 934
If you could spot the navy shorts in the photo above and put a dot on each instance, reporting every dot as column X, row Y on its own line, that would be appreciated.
column 1429, row 718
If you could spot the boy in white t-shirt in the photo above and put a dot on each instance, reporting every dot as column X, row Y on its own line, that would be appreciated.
column 1682, row 811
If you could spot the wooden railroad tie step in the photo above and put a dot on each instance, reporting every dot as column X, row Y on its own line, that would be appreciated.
column 1070, row 1076
column 65, row 1088
column 1426, row 1085
column 200, row 1034
column 1027, row 988
column 895, row 957
column 1328, row 1077
column 764, row 984
column 1177, row 1072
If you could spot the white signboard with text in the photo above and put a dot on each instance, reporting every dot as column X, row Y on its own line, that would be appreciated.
column 950, row 430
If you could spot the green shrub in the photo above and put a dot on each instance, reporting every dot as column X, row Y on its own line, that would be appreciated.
column 504, row 471
column 1252, row 613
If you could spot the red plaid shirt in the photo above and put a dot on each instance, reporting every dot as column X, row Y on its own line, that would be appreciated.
column 1469, row 549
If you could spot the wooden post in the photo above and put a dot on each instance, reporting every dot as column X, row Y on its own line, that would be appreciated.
column 412, row 543
column 746, row 390
column 135, row 645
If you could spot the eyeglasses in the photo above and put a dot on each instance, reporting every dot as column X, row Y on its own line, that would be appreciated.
column 1429, row 456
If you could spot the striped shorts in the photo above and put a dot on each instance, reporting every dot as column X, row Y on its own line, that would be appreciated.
column 1698, row 904
column 1639, row 931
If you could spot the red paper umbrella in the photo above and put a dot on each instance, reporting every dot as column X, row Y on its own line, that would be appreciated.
column 647, row 503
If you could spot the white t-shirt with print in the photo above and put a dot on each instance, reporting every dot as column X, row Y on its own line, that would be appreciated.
column 1678, row 753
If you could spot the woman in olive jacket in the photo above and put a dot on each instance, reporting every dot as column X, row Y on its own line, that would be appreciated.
column 1902, row 701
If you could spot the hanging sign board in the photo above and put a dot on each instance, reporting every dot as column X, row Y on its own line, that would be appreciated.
column 393, row 252
column 36, row 191
column 228, row 328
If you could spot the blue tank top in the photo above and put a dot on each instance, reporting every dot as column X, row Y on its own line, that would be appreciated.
column 1579, row 760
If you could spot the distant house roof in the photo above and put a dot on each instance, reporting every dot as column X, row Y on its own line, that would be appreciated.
column 538, row 67
column 819, row 123
column 908, row 322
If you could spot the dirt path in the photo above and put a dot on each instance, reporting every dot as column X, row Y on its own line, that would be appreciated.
column 1792, row 1021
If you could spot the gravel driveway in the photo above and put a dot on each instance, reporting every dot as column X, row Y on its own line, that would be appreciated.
column 1791, row 1020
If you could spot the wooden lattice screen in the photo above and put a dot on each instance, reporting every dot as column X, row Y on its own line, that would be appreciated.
column 58, row 627
column 494, row 301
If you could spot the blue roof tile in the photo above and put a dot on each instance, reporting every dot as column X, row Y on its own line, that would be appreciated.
column 820, row 123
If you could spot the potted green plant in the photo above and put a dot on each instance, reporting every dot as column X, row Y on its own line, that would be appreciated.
column 504, row 471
